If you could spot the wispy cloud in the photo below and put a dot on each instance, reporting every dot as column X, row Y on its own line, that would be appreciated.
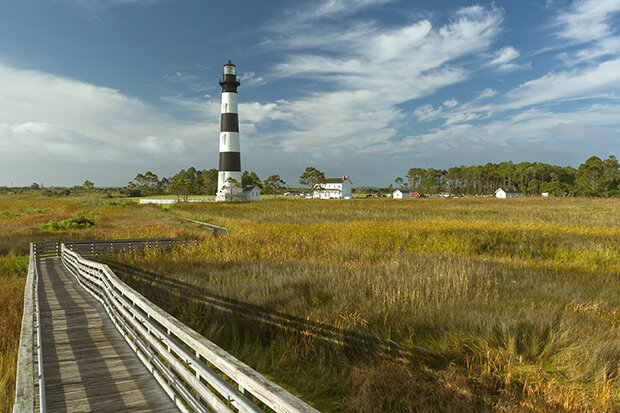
column 565, row 84
column 355, row 102
column 588, row 20
column 589, row 23
column 324, row 10
column 504, row 58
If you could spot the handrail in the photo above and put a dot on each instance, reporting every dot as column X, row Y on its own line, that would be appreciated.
column 216, row 230
column 24, row 383
column 91, row 247
column 194, row 372
column 42, row 406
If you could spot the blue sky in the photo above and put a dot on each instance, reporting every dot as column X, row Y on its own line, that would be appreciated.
column 102, row 90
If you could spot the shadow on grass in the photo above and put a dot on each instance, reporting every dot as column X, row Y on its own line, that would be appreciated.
column 343, row 370
column 353, row 344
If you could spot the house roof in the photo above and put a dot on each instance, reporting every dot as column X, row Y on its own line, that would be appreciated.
column 248, row 188
column 338, row 180
column 508, row 192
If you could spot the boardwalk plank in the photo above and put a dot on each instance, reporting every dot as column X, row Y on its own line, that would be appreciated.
column 88, row 365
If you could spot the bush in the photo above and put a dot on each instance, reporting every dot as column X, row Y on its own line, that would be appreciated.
column 77, row 222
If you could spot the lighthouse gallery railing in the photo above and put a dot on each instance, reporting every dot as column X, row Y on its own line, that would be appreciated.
column 196, row 373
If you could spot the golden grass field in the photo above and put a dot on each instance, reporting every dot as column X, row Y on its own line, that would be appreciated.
column 374, row 305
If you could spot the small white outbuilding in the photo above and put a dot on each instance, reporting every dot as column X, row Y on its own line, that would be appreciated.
column 501, row 194
column 401, row 193
column 251, row 193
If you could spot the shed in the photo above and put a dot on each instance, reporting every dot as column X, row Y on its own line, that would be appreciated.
column 501, row 194
column 401, row 193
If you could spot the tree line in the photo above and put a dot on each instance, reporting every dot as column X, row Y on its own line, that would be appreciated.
column 196, row 182
column 594, row 177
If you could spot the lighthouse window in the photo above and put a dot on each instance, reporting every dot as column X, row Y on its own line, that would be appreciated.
column 225, row 108
column 224, row 139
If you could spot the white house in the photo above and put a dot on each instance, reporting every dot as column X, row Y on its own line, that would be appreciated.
column 400, row 194
column 331, row 188
column 501, row 194
column 251, row 193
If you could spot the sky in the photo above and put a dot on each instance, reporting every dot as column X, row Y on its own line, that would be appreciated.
column 106, row 89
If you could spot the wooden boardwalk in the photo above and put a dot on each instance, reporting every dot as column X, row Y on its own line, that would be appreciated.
column 88, row 365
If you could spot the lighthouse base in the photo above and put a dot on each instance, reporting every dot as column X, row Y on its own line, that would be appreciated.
column 224, row 196
column 248, row 193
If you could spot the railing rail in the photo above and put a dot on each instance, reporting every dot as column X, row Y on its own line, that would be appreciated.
column 216, row 230
column 196, row 373
column 27, row 368
column 92, row 247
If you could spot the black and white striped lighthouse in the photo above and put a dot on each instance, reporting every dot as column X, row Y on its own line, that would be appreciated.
column 230, row 156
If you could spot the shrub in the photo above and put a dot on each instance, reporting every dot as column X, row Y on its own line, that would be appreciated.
column 72, row 223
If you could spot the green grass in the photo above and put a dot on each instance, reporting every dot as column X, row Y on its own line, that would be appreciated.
column 66, row 224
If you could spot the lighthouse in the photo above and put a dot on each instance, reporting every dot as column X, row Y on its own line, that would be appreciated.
column 230, row 156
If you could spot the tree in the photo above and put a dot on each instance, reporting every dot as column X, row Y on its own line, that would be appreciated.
column 208, row 181
column 400, row 182
column 88, row 185
column 250, row 178
column 231, row 188
column 311, row 177
column 180, row 184
column 148, row 184
column 589, row 177
column 273, row 184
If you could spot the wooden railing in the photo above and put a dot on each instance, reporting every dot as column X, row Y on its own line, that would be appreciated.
column 196, row 373
column 216, row 230
column 30, row 344
column 93, row 247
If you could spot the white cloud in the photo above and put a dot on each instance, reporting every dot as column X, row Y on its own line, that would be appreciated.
column 427, row 113
column 588, row 20
column 555, row 86
column 326, row 9
column 354, row 103
column 504, row 58
column 250, row 79
column 589, row 23
column 487, row 93
column 535, row 134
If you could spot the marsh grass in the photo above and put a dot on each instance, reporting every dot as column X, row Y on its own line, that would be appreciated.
column 399, row 306
column 381, row 305
column 12, row 280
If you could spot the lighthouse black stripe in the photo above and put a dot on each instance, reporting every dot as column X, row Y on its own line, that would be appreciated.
column 230, row 122
column 230, row 161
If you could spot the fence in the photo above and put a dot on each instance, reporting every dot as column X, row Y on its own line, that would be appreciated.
column 93, row 247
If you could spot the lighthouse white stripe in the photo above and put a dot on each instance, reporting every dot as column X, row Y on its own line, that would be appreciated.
column 229, row 102
column 229, row 142
column 224, row 175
